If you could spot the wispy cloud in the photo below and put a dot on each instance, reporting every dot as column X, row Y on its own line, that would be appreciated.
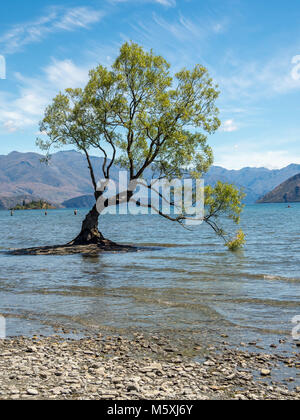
column 58, row 19
column 181, row 29
column 265, row 77
column 182, row 40
column 26, row 108
column 166, row 3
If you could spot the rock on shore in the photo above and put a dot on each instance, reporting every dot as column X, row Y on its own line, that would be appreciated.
column 117, row 368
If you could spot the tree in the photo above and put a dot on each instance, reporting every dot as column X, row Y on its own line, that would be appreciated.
column 139, row 117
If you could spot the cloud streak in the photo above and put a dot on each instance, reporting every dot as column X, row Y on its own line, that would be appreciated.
column 58, row 19
column 255, row 79
column 166, row 3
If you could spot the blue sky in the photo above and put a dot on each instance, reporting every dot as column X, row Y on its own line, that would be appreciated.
column 250, row 47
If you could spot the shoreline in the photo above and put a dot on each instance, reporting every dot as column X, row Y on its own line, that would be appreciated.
column 142, row 368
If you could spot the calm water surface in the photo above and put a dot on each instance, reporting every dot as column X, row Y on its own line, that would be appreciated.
column 191, row 286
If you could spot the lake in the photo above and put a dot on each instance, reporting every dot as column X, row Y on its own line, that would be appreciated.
column 189, row 287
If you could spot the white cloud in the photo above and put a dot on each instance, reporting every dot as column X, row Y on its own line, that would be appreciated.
column 168, row 3
column 255, row 79
column 27, row 107
column 229, row 126
column 14, row 120
column 78, row 17
column 62, row 73
column 295, row 73
column 58, row 19
column 181, row 28
column 234, row 158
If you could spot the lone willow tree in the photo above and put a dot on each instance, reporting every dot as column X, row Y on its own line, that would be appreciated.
column 141, row 118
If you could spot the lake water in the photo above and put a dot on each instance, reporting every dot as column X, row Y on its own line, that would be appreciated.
column 189, row 287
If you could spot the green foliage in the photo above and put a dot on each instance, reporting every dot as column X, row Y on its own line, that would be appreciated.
column 33, row 205
column 139, row 113
column 237, row 242
column 140, row 117
column 224, row 200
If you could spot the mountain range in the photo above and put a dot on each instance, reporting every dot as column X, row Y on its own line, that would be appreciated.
column 287, row 192
column 24, row 176
column 66, row 177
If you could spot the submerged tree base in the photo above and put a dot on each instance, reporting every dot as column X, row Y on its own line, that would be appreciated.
column 70, row 249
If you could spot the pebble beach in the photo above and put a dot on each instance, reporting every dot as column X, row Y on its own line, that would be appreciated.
column 140, row 368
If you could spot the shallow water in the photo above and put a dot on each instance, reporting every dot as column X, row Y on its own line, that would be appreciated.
column 190, row 287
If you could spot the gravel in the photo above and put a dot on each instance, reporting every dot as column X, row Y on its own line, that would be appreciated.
column 138, row 368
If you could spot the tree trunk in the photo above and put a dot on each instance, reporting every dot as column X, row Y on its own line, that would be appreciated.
column 90, row 233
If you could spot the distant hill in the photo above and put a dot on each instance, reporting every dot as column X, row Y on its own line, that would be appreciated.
column 255, row 181
column 287, row 192
column 84, row 201
column 23, row 176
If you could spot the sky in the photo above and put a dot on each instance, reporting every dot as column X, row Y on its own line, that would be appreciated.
column 251, row 48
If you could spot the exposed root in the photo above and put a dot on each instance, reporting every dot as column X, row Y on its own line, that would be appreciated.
column 70, row 249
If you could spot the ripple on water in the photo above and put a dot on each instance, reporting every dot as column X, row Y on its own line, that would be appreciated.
column 186, row 284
